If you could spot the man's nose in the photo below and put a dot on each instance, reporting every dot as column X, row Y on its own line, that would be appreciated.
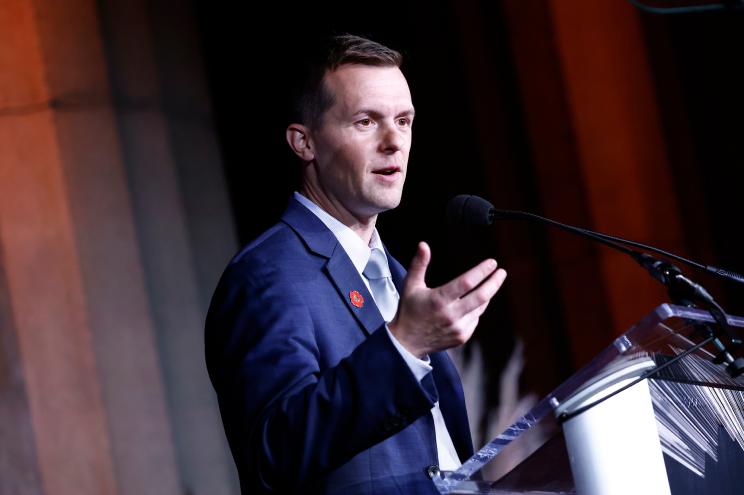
column 392, row 139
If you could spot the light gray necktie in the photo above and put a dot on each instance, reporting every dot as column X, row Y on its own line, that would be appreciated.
column 381, row 284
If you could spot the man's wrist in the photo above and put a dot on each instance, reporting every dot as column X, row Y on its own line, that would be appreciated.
column 394, row 330
column 420, row 367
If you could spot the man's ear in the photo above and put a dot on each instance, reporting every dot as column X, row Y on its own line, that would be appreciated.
column 298, row 138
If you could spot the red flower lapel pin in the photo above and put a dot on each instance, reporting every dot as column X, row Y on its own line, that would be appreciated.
column 356, row 298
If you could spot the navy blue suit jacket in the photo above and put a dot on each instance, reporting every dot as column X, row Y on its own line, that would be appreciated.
column 314, row 397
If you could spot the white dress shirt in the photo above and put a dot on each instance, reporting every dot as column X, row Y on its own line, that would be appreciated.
column 359, row 253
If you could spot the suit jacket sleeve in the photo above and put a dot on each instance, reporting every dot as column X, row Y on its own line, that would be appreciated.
column 288, row 417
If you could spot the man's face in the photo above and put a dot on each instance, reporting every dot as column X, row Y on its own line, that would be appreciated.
column 361, row 146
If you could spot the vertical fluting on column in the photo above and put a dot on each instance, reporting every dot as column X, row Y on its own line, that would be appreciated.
column 45, row 292
column 183, row 223
column 89, row 410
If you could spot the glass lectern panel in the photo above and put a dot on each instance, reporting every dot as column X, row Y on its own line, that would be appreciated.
column 697, row 405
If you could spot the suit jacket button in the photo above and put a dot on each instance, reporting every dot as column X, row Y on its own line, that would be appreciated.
column 432, row 471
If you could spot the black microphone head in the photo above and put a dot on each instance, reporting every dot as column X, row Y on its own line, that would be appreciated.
column 468, row 209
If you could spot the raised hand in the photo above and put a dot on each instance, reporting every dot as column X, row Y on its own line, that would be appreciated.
column 434, row 319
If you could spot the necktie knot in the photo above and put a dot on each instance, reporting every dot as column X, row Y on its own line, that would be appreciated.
column 377, row 266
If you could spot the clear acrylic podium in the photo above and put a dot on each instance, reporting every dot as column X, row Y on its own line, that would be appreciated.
column 680, row 431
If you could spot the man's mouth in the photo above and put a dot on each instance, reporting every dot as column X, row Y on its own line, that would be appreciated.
column 387, row 170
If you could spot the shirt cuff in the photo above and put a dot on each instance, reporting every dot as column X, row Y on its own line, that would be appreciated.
column 419, row 367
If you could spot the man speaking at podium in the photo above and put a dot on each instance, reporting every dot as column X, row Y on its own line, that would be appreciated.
column 326, row 358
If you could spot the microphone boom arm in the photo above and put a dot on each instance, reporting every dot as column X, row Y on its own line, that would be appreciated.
column 682, row 290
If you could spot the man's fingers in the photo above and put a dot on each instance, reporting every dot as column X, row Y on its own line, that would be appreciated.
column 481, row 296
column 466, row 282
column 419, row 263
column 480, row 309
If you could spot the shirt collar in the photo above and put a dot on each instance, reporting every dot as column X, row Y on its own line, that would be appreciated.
column 353, row 244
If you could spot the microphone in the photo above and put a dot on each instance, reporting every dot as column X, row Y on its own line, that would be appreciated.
column 470, row 210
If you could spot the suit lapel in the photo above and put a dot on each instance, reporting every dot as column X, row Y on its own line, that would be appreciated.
column 338, row 268
column 316, row 236
column 353, row 290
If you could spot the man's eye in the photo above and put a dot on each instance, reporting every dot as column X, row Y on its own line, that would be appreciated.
column 404, row 121
column 365, row 122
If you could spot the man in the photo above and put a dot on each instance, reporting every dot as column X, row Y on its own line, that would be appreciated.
column 317, row 392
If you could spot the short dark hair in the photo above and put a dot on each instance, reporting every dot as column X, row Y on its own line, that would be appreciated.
column 312, row 98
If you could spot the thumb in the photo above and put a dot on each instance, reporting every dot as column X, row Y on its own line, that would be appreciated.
column 419, row 263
